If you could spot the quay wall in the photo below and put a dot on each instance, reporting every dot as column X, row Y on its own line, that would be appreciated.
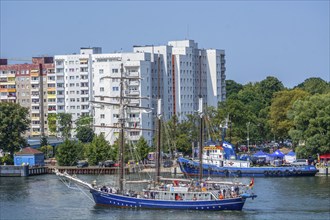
column 11, row 170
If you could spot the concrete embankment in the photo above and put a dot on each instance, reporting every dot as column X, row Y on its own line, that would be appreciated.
column 323, row 171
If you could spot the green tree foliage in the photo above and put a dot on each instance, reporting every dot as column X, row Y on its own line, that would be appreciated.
column 278, row 115
column 84, row 129
column 238, row 115
column 268, row 87
column 69, row 153
column 142, row 148
column 169, row 134
column 315, row 85
column 251, row 97
column 65, row 124
column 14, row 121
column 52, row 122
column 99, row 150
column 232, row 88
column 311, row 119
column 43, row 141
column 7, row 159
column 47, row 150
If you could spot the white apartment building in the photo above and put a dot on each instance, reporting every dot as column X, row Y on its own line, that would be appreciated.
column 106, row 73
column 183, row 65
column 185, row 73
column 74, row 82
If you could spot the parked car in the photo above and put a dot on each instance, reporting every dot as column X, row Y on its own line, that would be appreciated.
column 82, row 164
column 300, row 162
column 168, row 163
column 109, row 163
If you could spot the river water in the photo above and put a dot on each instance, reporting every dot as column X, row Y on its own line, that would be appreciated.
column 46, row 197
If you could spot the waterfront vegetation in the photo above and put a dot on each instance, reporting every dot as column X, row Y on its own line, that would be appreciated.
column 261, row 112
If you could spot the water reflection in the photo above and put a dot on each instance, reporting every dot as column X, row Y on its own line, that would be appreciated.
column 46, row 197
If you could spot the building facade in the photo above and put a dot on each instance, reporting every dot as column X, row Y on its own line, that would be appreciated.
column 32, row 86
column 84, row 84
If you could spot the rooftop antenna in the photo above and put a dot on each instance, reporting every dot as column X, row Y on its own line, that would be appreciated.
column 187, row 31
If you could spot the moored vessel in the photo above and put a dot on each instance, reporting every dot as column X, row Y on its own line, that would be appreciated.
column 216, row 162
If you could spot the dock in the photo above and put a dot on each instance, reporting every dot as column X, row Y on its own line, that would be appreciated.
column 18, row 171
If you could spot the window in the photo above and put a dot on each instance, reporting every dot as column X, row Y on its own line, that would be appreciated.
column 114, row 70
column 102, row 116
column 101, row 89
column 115, row 88
column 101, row 71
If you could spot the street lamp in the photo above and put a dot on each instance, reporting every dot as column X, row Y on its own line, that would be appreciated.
column 248, row 137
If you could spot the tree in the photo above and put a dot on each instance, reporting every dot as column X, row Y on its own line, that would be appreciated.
column 278, row 115
column 98, row 150
column 43, row 141
column 239, row 114
column 52, row 122
column 315, row 85
column 142, row 148
column 65, row 124
column 268, row 87
column 47, row 150
column 69, row 153
column 14, row 121
column 311, row 125
column 232, row 88
column 84, row 129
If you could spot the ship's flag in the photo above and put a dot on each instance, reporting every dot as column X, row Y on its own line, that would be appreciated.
column 251, row 183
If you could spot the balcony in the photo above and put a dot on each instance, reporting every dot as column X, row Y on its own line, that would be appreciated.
column 134, row 83
column 34, row 110
column 133, row 120
column 34, row 74
column 52, row 96
column 51, row 89
column 35, row 133
column 134, row 92
column 10, row 82
column 11, row 90
column 134, row 138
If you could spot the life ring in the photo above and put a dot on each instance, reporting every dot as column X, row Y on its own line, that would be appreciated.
column 225, row 172
column 266, row 173
column 274, row 172
column 287, row 172
column 279, row 173
column 294, row 172
column 299, row 172
column 239, row 172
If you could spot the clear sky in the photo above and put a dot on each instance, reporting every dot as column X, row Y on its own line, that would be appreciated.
column 285, row 39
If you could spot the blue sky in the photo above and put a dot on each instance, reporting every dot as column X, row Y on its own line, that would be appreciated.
column 285, row 39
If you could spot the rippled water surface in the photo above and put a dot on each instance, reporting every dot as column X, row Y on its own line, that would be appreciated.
column 46, row 197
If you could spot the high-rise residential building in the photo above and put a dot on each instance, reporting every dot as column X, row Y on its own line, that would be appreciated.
column 188, row 73
column 32, row 86
column 178, row 73
column 82, row 84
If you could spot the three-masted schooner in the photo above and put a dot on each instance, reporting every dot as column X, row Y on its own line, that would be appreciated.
column 166, row 193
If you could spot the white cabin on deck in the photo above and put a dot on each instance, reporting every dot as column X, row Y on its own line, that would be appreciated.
column 215, row 155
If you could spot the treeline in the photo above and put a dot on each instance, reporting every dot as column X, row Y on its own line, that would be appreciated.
column 263, row 111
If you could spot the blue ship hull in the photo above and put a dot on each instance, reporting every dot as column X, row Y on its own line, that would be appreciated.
column 191, row 168
column 110, row 199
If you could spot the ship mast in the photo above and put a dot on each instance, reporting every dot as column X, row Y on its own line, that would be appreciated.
column 121, row 134
column 200, row 112
column 159, row 115
column 123, row 105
